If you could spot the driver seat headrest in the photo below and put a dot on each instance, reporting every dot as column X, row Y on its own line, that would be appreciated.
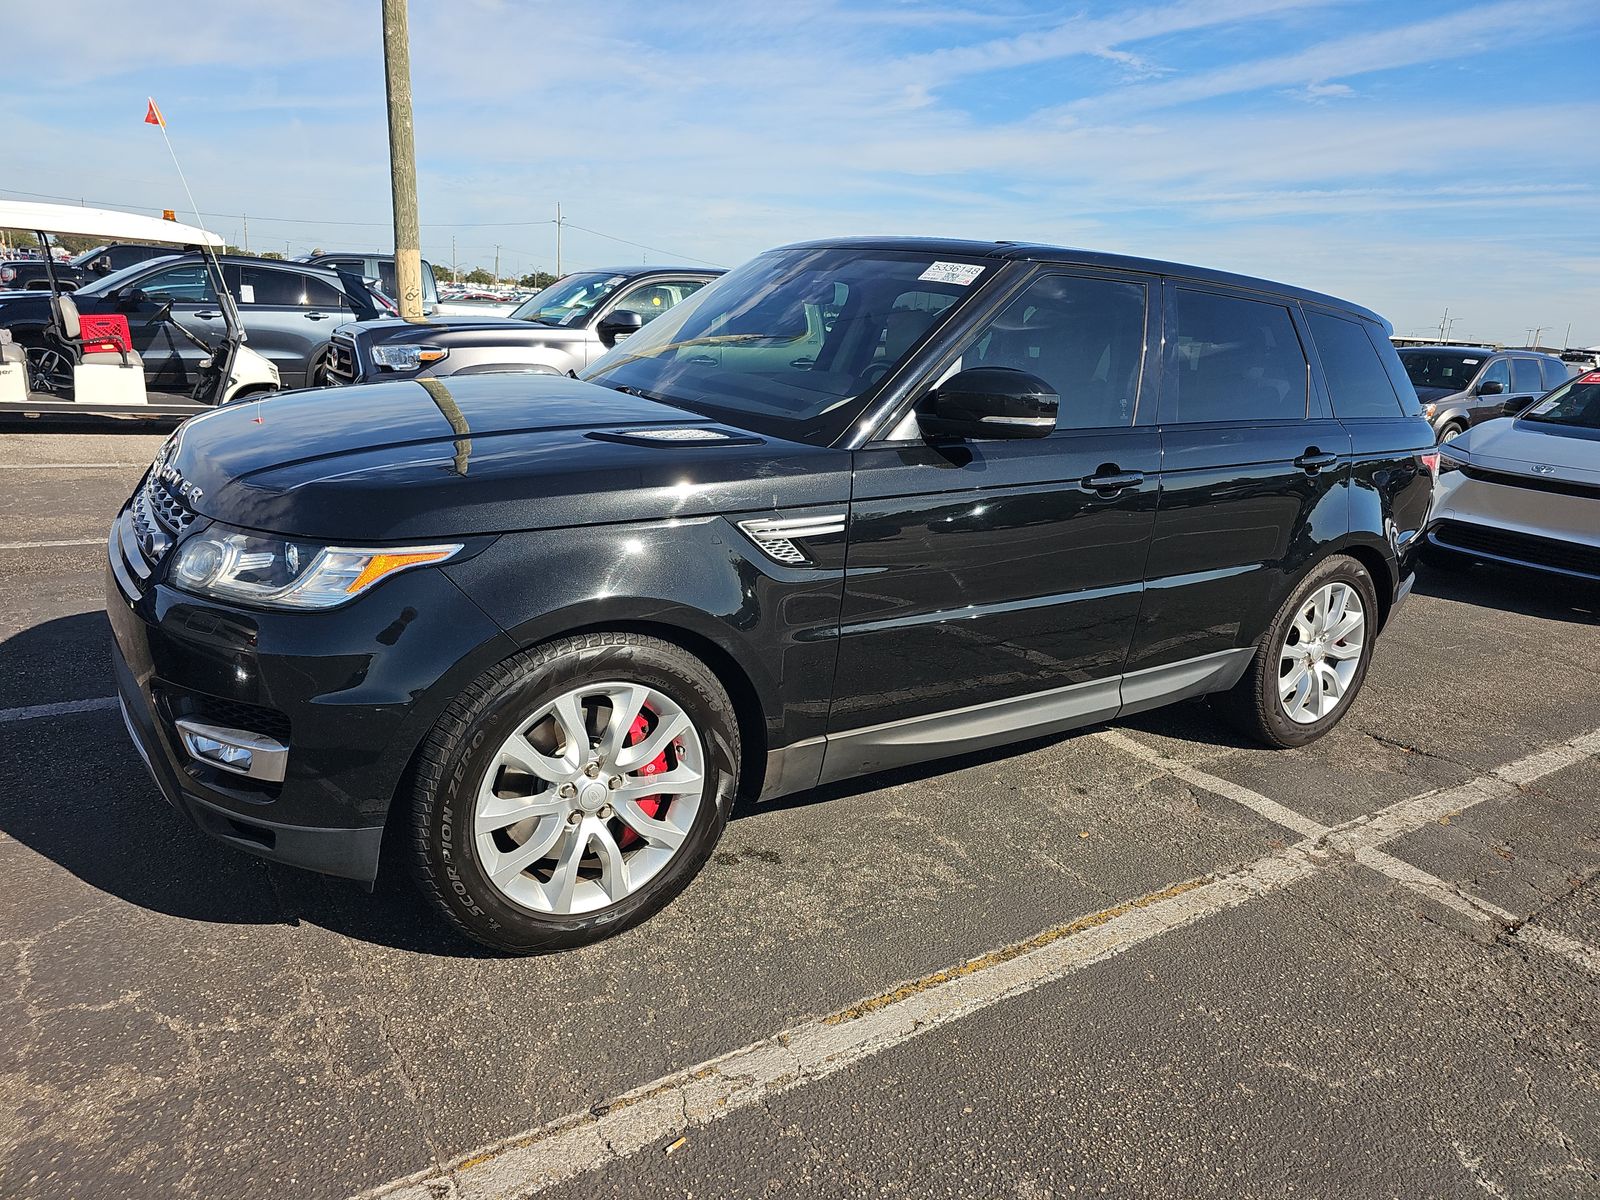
column 66, row 315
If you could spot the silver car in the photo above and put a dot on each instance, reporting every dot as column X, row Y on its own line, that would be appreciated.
column 1525, row 490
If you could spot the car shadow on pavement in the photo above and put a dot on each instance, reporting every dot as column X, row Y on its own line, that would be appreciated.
column 1528, row 593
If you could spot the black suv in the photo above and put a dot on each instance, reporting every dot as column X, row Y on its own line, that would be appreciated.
column 855, row 505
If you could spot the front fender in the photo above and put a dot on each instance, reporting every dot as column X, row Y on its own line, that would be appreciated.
column 699, row 580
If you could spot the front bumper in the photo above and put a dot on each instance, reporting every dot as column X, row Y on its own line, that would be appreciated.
column 350, row 691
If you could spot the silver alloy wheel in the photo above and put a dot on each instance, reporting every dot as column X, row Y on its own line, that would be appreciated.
column 582, row 805
column 1321, row 652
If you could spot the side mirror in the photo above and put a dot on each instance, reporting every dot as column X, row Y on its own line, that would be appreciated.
column 619, row 324
column 101, row 265
column 1492, row 387
column 990, row 402
column 131, row 297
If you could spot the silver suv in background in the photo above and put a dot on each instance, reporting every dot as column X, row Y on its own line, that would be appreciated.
column 557, row 331
column 1461, row 386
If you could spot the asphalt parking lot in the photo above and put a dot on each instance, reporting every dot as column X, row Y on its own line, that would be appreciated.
column 1143, row 960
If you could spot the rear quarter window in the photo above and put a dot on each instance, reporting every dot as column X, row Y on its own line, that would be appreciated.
column 1525, row 375
column 1233, row 359
column 1358, row 384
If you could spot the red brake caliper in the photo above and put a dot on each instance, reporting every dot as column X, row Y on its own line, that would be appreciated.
column 649, row 805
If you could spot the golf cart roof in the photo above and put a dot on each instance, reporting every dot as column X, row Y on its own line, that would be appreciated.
column 101, row 222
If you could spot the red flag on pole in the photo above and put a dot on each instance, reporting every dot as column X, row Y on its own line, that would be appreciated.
column 152, row 115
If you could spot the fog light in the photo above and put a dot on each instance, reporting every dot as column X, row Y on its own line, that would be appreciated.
column 236, row 750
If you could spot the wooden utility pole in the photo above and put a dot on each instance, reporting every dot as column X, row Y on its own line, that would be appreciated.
column 402, row 161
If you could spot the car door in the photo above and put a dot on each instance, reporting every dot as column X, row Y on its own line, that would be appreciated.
column 1489, row 391
column 289, row 316
column 1254, row 477
column 1002, row 577
column 170, row 359
column 1527, row 385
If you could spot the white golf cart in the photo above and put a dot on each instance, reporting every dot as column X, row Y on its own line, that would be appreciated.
column 87, row 365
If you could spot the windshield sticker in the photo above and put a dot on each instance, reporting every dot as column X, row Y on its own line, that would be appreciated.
column 948, row 272
column 1471, row 362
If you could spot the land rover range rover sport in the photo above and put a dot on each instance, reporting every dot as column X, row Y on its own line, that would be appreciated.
column 854, row 505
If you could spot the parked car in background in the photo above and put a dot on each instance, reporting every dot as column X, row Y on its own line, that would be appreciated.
column 288, row 311
column 1461, row 387
column 1526, row 490
column 378, row 270
column 557, row 626
column 557, row 331
column 33, row 274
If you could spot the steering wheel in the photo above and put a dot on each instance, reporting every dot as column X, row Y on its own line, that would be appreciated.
column 875, row 372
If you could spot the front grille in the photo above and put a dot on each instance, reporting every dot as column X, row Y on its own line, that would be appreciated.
column 1537, row 483
column 342, row 366
column 146, row 531
column 1519, row 547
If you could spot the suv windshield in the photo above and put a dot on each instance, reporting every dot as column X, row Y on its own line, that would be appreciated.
column 110, row 283
column 568, row 301
column 792, row 341
column 1449, row 369
column 1576, row 402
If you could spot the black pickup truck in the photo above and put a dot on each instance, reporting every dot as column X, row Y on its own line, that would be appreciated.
column 32, row 274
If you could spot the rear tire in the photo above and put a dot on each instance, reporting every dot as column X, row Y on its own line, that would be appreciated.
column 533, row 827
column 1312, row 660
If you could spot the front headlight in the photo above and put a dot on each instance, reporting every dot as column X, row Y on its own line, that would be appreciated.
column 406, row 356
column 1429, row 410
column 278, row 573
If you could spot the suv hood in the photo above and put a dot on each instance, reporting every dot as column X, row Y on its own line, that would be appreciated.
column 479, row 454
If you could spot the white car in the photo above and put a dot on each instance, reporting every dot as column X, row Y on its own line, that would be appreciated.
column 1525, row 490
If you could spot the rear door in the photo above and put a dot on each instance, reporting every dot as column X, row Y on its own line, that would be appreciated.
column 288, row 314
column 1254, row 478
column 987, row 572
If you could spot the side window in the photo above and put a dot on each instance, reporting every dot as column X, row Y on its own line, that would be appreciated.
column 652, row 299
column 263, row 286
column 1357, row 382
column 1235, row 360
column 1410, row 403
column 1555, row 373
column 320, row 294
column 1525, row 375
column 1084, row 337
column 187, row 284
column 1496, row 372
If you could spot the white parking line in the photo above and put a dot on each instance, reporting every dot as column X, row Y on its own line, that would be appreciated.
column 813, row 1050
column 67, row 707
column 1227, row 789
column 94, row 541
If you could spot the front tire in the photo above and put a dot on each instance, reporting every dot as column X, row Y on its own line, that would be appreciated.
column 1312, row 660
column 574, row 790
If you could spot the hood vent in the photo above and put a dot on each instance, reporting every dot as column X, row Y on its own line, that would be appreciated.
column 686, row 435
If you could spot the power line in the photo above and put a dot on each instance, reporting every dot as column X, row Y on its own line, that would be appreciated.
column 641, row 245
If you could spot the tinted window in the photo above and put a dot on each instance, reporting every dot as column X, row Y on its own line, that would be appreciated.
column 321, row 294
column 1357, row 382
column 1577, row 403
column 1525, row 375
column 1235, row 360
column 187, row 284
column 1451, row 370
column 260, row 285
column 1555, row 372
column 1084, row 337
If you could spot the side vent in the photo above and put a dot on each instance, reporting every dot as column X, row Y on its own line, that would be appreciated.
column 776, row 536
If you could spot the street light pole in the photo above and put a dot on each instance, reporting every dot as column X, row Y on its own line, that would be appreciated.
column 402, row 161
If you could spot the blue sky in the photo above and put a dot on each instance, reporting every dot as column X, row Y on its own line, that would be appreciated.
column 1407, row 155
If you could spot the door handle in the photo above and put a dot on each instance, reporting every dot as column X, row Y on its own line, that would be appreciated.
column 1314, row 460
column 316, row 316
column 1111, row 482
column 208, row 316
